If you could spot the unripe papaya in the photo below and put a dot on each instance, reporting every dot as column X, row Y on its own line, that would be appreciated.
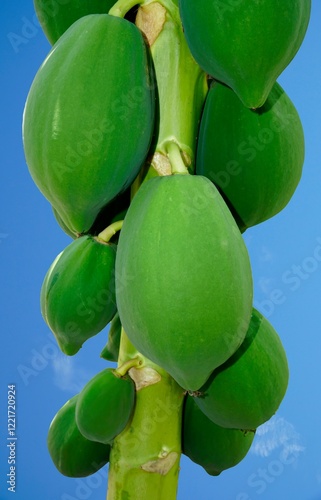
column 63, row 226
column 255, row 158
column 209, row 445
column 78, row 293
column 70, row 451
column 246, row 45
column 88, row 119
column 187, row 299
column 55, row 17
column 112, row 212
column 105, row 405
column 247, row 390
column 111, row 350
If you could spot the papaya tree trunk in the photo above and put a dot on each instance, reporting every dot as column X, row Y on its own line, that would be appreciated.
column 144, row 459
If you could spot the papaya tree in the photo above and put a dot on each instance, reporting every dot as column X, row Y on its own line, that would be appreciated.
column 138, row 130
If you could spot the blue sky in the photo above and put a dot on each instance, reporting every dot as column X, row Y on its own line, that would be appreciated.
column 285, row 252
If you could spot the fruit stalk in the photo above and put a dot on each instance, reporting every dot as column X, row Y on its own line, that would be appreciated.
column 144, row 459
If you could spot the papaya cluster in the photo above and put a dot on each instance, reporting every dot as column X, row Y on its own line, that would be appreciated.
column 166, row 263
column 82, row 431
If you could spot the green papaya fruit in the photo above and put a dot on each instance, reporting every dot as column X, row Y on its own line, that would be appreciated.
column 78, row 293
column 112, row 212
column 55, row 17
column 247, row 390
column 245, row 45
column 186, row 301
column 63, row 226
column 111, row 350
column 105, row 405
column 88, row 119
column 255, row 158
column 70, row 451
column 209, row 445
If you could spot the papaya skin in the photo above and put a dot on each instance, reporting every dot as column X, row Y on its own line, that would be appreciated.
column 78, row 293
column 73, row 454
column 112, row 212
column 187, row 302
column 255, row 158
column 87, row 100
column 246, row 45
column 104, row 406
column 247, row 390
column 209, row 445
column 63, row 226
column 56, row 17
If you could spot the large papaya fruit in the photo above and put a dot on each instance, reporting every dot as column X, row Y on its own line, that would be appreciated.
column 255, row 157
column 78, row 293
column 247, row 390
column 70, row 451
column 104, row 406
column 245, row 45
column 187, row 300
column 209, row 445
column 55, row 17
column 88, row 119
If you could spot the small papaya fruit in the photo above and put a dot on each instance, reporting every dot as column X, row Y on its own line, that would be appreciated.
column 88, row 118
column 104, row 406
column 247, row 390
column 254, row 157
column 78, row 292
column 111, row 350
column 187, row 300
column 246, row 45
column 70, row 451
column 209, row 445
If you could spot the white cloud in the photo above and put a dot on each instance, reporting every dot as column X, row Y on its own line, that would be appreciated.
column 266, row 254
column 265, row 284
column 274, row 434
column 67, row 376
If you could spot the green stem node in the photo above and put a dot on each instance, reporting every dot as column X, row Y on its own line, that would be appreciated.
column 175, row 158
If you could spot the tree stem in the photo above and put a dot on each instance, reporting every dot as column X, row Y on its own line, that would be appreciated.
column 144, row 459
column 181, row 83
